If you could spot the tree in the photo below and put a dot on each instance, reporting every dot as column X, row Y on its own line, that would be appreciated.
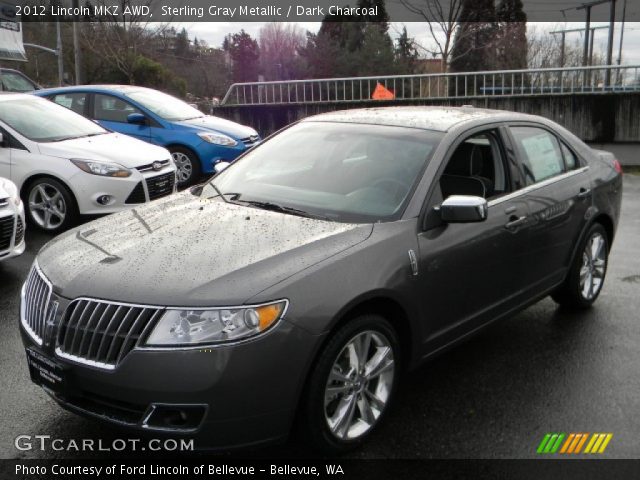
column 244, row 53
column 442, row 18
column 511, row 38
column 406, row 52
column 474, row 43
column 279, row 45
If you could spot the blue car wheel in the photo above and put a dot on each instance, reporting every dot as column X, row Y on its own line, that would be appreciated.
column 187, row 165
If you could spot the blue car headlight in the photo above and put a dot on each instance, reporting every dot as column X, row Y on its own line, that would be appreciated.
column 218, row 139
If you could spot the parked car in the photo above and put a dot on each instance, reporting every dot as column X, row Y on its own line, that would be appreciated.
column 315, row 269
column 11, row 221
column 65, row 165
column 196, row 141
column 15, row 81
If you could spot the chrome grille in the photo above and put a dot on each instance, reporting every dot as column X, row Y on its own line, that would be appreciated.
column 250, row 141
column 35, row 304
column 150, row 166
column 101, row 334
column 19, row 232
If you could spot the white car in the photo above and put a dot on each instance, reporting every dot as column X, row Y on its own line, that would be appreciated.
column 11, row 221
column 65, row 165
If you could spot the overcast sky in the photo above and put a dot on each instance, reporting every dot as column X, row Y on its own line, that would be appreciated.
column 214, row 34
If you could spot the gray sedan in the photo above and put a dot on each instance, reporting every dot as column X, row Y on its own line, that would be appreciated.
column 298, row 284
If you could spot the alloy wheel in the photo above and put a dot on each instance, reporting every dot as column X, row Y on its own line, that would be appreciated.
column 359, row 385
column 47, row 206
column 594, row 263
column 183, row 165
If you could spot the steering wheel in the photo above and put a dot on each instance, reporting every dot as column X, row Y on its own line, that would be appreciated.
column 394, row 187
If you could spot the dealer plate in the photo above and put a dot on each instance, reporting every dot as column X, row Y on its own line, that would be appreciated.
column 46, row 372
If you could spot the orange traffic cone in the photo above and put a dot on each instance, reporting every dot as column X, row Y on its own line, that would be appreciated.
column 382, row 93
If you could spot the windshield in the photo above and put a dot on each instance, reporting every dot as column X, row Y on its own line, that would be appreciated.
column 339, row 171
column 165, row 106
column 43, row 121
column 14, row 82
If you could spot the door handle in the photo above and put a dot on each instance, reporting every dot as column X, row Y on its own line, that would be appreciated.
column 514, row 222
column 584, row 192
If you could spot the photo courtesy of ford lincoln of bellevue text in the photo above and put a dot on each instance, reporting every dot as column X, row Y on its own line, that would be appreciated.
column 354, row 238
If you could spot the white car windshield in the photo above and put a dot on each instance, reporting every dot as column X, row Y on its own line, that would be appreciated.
column 44, row 121
column 165, row 106
column 337, row 171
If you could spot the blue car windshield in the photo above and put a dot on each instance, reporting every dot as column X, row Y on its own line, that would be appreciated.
column 165, row 106
column 339, row 171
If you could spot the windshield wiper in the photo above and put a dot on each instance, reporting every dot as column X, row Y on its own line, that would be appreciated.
column 284, row 209
column 220, row 194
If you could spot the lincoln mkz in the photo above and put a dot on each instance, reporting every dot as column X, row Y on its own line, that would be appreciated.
column 297, row 285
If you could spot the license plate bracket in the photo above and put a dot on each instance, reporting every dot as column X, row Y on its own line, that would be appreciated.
column 46, row 372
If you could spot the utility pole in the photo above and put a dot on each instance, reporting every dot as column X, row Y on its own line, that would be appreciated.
column 77, row 52
column 624, row 14
column 612, row 21
column 59, row 53
column 612, row 18
column 573, row 30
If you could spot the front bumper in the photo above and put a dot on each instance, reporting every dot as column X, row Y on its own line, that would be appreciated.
column 123, row 193
column 210, row 153
column 12, row 227
column 234, row 395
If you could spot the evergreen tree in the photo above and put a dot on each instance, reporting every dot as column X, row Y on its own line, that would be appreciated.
column 406, row 53
column 244, row 53
column 512, row 35
column 474, row 44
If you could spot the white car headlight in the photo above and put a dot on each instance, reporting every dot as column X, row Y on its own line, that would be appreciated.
column 105, row 169
column 219, row 325
column 218, row 139
column 12, row 190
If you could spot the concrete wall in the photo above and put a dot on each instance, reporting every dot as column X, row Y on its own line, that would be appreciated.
column 600, row 119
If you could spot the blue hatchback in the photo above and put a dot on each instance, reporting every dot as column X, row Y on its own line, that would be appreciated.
column 196, row 141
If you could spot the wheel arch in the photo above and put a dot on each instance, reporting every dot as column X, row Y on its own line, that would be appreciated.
column 29, row 180
column 173, row 144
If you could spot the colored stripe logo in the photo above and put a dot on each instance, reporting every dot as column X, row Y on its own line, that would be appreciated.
column 574, row 443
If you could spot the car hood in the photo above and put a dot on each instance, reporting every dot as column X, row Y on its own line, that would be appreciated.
column 113, row 147
column 209, row 123
column 187, row 251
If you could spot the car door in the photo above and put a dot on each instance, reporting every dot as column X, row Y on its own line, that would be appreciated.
column 558, row 194
column 111, row 112
column 471, row 272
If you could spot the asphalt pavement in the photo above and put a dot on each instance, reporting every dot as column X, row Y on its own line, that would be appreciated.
column 495, row 396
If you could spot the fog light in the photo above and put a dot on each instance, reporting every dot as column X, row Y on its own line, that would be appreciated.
column 174, row 417
column 104, row 199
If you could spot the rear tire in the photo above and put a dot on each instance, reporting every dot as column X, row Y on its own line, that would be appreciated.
column 188, row 169
column 586, row 276
column 351, row 385
column 50, row 205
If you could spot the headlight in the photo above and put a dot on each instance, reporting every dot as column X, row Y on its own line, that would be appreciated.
column 191, row 327
column 104, row 169
column 12, row 190
column 218, row 139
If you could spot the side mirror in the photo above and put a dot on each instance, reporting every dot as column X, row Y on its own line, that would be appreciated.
column 220, row 166
column 136, row 118
column 1, row 140
column 464, row 209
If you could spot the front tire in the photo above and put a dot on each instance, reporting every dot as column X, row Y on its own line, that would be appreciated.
column 50, row 205
column 586, row 276
column 187, row 166
column 351, row 385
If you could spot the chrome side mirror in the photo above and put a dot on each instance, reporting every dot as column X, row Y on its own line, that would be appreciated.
column 464, row 209
column 220, row 166
column 1, row 140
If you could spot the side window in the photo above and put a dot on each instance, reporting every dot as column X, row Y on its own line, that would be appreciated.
column 477, row 168
column 540, row 153
column 14, row 82
column 570, row 159
column 73, row 101
column 112, row 109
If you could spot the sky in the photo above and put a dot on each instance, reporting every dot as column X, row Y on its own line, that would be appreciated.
column 214, row 32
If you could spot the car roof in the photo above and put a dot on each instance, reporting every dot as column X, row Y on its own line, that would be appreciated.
column 92, row 88
column 427, row 117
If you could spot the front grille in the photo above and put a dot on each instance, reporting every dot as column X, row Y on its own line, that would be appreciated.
column 6, row 232
column 100, row 333
column 161, row 185
column 35, row 304
column 137, row 195
column 19, row 232
column 150, row 166
column 250, row 141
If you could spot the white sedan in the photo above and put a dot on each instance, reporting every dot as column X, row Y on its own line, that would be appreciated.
column 11, row 221
column 65, row 165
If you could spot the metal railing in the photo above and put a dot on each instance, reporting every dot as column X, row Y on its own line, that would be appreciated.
column 434, row 86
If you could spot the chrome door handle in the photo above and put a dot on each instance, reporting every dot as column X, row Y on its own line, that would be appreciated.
column 515, row 222
column 584, row 192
